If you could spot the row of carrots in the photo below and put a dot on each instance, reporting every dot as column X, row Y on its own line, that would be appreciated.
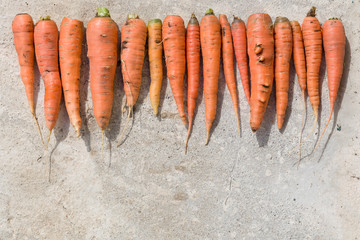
column 261, row 46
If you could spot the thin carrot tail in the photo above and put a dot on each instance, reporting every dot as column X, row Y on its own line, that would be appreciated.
column 238, row 119
column 188, row 134
column 102, row 143
column 302, row 125
column 207, row 137
column 126, row 124
column 78, row 132
column 313, row 128
column 38, row 127
column 331, row 111
column 48, row 163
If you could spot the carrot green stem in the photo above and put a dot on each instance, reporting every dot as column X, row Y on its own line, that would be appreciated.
column 193, row 20
column 209, row 12
column 312, row 12
column 103, row 12
column 132, row 16
column 154, row 21
column 45, row 18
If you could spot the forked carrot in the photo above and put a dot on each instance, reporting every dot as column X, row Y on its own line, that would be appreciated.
column 23, row 29
column 210, row 37
column 334, row 46
column 193, row 68
column 70, row 43
column 261, row 55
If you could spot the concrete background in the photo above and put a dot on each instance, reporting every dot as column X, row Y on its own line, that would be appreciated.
column 244, row 187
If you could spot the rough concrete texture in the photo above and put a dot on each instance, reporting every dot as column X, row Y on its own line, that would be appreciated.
column 237, row 187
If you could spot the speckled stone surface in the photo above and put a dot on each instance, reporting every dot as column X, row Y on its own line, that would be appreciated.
column 237, row 187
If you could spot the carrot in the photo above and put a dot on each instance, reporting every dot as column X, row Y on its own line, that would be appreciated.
column 101, row 35
column 313, row 51
column 210, row 37
column 261, row 60
column 283, row 51
column 238, row 31
column 23, row 29
column 46, row 39
column 300, row 67
column 174, row 47
column 155, row 60
column 228, row 62
column 193, row 68
column 70, row 43
column 334, row 46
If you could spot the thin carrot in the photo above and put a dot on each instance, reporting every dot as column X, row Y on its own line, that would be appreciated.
column 311, row 30
column 133, row 40
column 101, row 35
column 174, row 47
column 155, row 60
column 238, row 31
column 193, row 68
column 261, row 55
column 70, row 42
column 210, row 37
column 283, row 51
column 334, row 46
column 300, row 67
column 228, row 63
column 23, row 29
column 46, row 39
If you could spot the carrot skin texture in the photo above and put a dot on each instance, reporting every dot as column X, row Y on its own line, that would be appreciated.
column 228, row 62
column 70, row 43
column 261, row 60
column 155, row 61
column 174, row 49
column 238, row 31
column 283, row 52
column 210, row 37
column 46, row 39
column 101, row 35
column 133, row 40
column 312, row 36
column 193, row 68
column 23, row 29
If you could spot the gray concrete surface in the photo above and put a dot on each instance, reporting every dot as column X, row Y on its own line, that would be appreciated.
column 244, row 187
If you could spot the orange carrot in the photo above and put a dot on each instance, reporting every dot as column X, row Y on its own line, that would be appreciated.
column 313, row 51
column 23, row 29
column 155, row 60
column 238, row 31
column 300, row 67
column 46, row 39
column 101, row 35
column 193, row 68
column 174, row 47
column 70, row 43
column 334, row 46
column 133, row 40
column 261, row 55
column 210, row 37
column 228, row 62
column 283, row 51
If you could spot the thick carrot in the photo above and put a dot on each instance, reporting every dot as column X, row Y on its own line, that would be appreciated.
column 23, row 29
column 193, row 68
column 46, row 39
column 174, row 47
column 210, row 37
column 334, row 46
column 261, row 55
column 228, row 63
column 133, row 40
column 155, row 60
column 238, row 31
column 311, row 30
column 300, row 67
column 283, row 51
column 70, row 43
column 101, row 35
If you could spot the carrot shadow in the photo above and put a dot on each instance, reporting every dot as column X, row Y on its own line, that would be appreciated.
column 237, row 92
column 164, row 85
column 145, row 82
column 36, row 83
column 263, row 134
column 341, row 92
column 84, row 88
column 220, row 99
column 289, row 108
